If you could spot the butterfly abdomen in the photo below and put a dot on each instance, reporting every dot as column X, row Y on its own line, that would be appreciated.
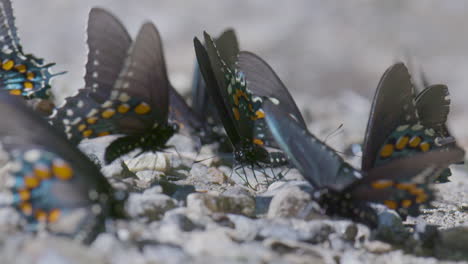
column 153, row 141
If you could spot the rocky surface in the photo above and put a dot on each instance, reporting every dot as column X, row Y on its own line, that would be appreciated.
column 328, row 53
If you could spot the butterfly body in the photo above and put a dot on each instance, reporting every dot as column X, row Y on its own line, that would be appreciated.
column 154, row 140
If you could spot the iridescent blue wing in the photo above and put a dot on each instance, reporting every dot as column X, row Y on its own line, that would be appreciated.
column 317, row 162
column 263, row 81
column 108, row 44
column 20, row 74
column 52, row 182
column 393, row 105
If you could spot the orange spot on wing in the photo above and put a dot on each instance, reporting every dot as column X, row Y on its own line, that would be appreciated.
column 30, row 75
column 382, row 184
column 15, row 92
column 92, row 120
column 54, row 215
column 26, row 208
column 105, row 133
column 402, row 142
column 28, row 85
column 21, row 68
column 142, row 108
column 425, row 146
column 421, row 198
column 87, row 133
column 8, row 65
column 108, row 113
column 123, row 108
column 391, row 204
column 236, row 113
column 41, row 216
column 81, row 127
column 62, row 170
column 414, row 141
column 259, row 114
column 386, row 151
column 31, row 182
column 406, row 203
column 42, row 173
column 258, row 141
column 24, row 195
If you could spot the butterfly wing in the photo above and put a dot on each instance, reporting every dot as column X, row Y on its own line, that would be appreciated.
column 405, row 184
column 108, row 43
column 317, row 162
column 263, row 81
column 20, row 74
column 216, row 96
column 433, row 104
column 227, row 44
column 392, row 106
column 51, row 176
column 181, row 114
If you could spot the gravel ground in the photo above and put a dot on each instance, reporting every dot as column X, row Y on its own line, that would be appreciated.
column 328, row 53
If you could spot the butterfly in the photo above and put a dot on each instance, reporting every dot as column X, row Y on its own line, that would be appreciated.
column 341, row 190
column 201, row 103
column 402, row 124
column 127, row 91
column 237, row 86
column 21, row 74
column 52, row 184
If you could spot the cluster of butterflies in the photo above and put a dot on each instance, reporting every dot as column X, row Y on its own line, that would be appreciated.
column 236, row 96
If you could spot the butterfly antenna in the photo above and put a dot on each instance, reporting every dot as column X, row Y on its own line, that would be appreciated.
column 334, row 132
column 198, row 161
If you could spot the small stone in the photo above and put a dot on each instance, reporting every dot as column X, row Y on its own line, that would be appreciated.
column 148, row 161
column 464, row 207
column 205, row 203
column 452, row 243
column 149, row 204
column 351, row 232
column 293, row 202
column 377, row 247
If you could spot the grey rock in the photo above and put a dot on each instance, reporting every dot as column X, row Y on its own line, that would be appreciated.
column 315, row 231
column 150, row 204
column 166, row 254
column 377, row 247
column 452, row 243
column 206, row 203
column 292, row 201
column 50, row 250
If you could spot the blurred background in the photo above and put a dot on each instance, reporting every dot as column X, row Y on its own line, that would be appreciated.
column 330, row 53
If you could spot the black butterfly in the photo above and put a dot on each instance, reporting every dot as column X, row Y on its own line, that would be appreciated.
column 201, row 102
column 127, row 92
column 401, row 124
column 402, row 184
column 52, row 183
column 20, row 73
column 237, row 86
